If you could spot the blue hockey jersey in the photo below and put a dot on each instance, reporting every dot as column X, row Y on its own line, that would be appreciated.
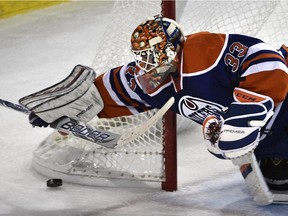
column 212, row 66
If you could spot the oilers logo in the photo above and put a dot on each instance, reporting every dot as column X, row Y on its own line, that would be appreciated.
column 197, row 109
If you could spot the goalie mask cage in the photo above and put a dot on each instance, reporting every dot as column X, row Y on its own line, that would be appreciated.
column 151, row 157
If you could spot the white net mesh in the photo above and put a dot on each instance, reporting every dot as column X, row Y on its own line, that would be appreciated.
column 126, row 15
column 264, row 19
column 143, row 158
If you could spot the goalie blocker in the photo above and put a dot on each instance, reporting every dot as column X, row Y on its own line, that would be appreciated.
column 75, row 97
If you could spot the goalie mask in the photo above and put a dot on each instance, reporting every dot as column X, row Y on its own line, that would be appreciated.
column 155, row 44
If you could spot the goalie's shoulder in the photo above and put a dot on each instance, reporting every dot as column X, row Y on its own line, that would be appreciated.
column 202, row 44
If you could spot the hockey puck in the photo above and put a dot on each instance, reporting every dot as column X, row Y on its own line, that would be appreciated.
column 54, row 182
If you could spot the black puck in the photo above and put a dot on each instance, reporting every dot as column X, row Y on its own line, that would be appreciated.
column 54, row 182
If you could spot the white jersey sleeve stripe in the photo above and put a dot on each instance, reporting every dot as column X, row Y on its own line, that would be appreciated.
column 265, row 66
column 258, row 47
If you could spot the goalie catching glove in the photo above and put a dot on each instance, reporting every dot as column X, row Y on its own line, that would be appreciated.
column 75, row 97
column 238, row 131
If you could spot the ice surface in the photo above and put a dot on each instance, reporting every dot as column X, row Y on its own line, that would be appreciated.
column 39, row 49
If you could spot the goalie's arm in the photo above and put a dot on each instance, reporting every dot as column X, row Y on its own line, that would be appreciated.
column 266, row 73
column 120, row 93
column 82, row 96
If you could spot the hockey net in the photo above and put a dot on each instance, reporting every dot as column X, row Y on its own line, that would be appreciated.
column 145, row 159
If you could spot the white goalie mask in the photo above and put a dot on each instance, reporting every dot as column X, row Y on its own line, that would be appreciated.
column 155, row 44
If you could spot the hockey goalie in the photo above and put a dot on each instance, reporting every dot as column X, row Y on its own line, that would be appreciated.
column 234, row 85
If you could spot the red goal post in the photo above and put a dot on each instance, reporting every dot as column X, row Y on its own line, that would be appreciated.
column 170, row 147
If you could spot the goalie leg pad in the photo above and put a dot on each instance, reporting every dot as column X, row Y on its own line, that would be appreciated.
column 76, row 97
column 254, row 179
